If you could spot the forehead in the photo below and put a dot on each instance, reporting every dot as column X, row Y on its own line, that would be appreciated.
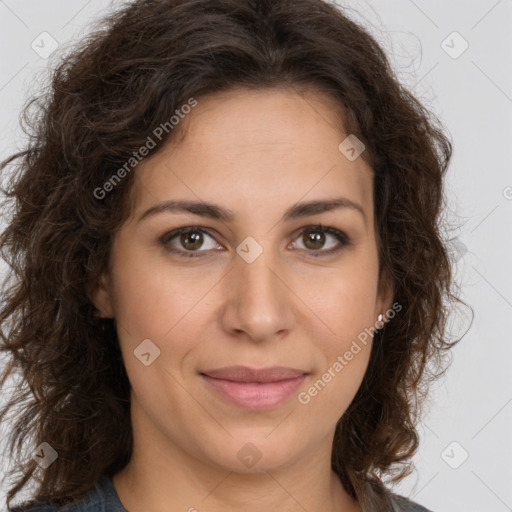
column 268, row 146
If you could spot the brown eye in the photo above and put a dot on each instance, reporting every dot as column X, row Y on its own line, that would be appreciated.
column 192, row 240
column 189, row 241
column 315, row 238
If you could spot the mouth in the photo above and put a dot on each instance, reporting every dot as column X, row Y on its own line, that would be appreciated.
column 250, row 388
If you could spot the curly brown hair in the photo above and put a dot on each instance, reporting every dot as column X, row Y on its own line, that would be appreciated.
column 129, row 75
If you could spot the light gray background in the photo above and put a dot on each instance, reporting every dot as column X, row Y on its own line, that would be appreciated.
column 472, row 94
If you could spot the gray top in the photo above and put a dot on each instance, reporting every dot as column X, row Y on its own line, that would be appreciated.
column 104, row 498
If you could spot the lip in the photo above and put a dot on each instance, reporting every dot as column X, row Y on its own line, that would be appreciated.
column 251, row 388
column 247, row 374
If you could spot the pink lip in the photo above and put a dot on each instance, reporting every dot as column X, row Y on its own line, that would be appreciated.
column 255, row 389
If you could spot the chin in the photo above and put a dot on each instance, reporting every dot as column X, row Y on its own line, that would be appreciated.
column 255, row 454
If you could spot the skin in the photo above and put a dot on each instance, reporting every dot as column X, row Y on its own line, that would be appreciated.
column 256, row 153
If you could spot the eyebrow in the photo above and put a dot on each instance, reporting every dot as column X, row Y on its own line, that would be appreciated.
column 216, row 212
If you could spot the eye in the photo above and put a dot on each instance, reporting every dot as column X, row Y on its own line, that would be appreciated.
column 314, row 239
column 188, row 240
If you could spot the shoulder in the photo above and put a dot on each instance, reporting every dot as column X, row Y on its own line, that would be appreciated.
column 402, row 504
column 103, row 498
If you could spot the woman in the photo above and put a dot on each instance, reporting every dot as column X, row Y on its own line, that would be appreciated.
column 227, row 274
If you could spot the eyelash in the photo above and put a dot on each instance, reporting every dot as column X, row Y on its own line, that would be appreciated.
column 341, row 237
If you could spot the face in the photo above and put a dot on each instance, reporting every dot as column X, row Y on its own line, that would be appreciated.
column 251, row 280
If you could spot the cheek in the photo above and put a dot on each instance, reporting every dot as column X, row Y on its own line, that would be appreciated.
column 345, row 305
column 152, row 302
column 345, row 360
column 344, row 300
column 152, row 298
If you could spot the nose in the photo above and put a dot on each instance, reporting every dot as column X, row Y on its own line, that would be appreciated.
column 259, row 304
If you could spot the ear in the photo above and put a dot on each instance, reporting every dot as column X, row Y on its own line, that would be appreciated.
column 385, row 293
column 101, row 296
